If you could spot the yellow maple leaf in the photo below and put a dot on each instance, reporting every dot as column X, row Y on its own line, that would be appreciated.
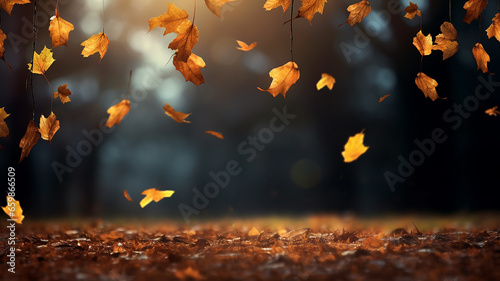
column 59, row 30
column 7, row 5
column 178, row 116
column 41, row 62
column 354, row 147
column 96, row 43
column 4, row 129
column 48, row 126
column 171, row 20
column 13, row 210
column 423, row 43
column 244, row 46
column 481, row 56
column 117, row 112
column 215, row 6
column 427, row 85
column 154, row 194
column 309, row 8
column 283, row 78
column 493, row 30
column 358, row 11
column 191, row 69
column 326, row 80
column 63, row 93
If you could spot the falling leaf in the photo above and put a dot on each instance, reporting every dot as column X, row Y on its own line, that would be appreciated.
column 474, row 9
column 4, row 129
column 244, row 47
column 354, row 148
column 117, row 112
column 273, row 4
column 358, row 11
column 29, row 140
column 14, row 210
column 309, row 8
column 154, row 194
column 214, row 133
column 283, row 78
column 63, row 93
column 189, row 274
column 185, row 41
column 423, row 43
column 326, row 80
column 427, row 85
column 481, row 56
column 59, row 30
column 215, row 6
column 253, row 232
column 493, row 30
column 125, row 193
column 96, row 43
column 383, row 98
column 171, row 20
column 445, row 41
column 493, row 111
column 2, row 49
column 179, row 117
column 42, row 62
column 7, row 5
column 191, row 70
column 412, row 11
column 48, row 126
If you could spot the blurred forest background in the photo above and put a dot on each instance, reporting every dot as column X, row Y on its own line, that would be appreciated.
column 301, row 171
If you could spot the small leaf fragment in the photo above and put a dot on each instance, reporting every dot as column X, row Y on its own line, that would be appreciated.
column 63, row 93
column 493, row 30
column 216, row 134
column 154, row 194
column 29, row 140
column 178, row 116
column 4, row 129
column 326, row 80
column 244, row 47
column 383, row 98
column 117, row 112
column 15, row 212
column 354, row 147
column 493, row 111
column 253, row 232
column 215, row 6
column 125, row 193
column 273, row 4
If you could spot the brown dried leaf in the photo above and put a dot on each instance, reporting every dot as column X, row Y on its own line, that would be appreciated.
column 185, row 41
column 171, row 20
column 474, row 9
column 125, row 193
column 253, row 232
column 48, row 126
column 493, row 111
column 178, row 116
column 29, row 140
column 191, row 70
column 481, row 56
column 4, row 129
column 7, row 5
column 63, row 93
column 358, row 12
column 412, row 11
column 96, row 43
column 445, row 41
column 383, row 98
column 493, row 30
column 309, row 8
column 273, row 4
column 427, row 85
column 423, row 43
column 244, row 47
column 216, row 134
column 283, row 78
column 117, row 112
column 59, row 30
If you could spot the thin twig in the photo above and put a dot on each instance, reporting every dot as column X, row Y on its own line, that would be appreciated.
column 51, row 90
column 449, row 10
column 103, row 16
column 129, row 81
column 194, row 12
column 291, row 31
column 30, row 74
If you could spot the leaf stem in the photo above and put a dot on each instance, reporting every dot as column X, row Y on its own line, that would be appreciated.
column 102, row 16
column 291, row 31
column 51, row 91
column 194, row 12
column 449, row 9
column 29, row 80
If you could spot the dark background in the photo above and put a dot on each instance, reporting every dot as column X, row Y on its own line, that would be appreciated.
column 301, row 170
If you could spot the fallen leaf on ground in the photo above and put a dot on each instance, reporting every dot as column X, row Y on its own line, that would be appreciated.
column 253, row 232
column 154, row 194
column 13, row 210
column 117, row 112
column 29, row 140
column 63, row 93
column 326, row 80
column 189, row 274
column 481, row 56
column 96, row 43
column 59, row 30
column 4, row 129
column 48, row 126
column 244, row 47
column 216, row 134
column 178, row 116
column 41, row 62
column 354, row 147
column 283, row 78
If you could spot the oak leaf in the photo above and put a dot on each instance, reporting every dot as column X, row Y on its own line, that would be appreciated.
column 178, row 116
column 48, row 126
column 29, row 140
column 326, row 80
column 283, row 78
column 423, row 43
column 358, row 11
column 191, row 69
column 154, row 194
column 117, row 112
column 14, row 210
column 383, row 98
column 171, row 20
column 412, row 11
column 244, row 47
column 96, row 43
column 481, row 56
column 445, row 41
column 185, row 41
column 63, row 93
column 354, row 147
column 474, row 8
column 59, row 30
column 427, row 85
column 216, row 134
column 125, row 193
column 41, row 62
column 7, row 5
column 4, row 129
column 493, row 111
column 493, row 30
column 215, row 6
column 273, row 4
column 309, row 8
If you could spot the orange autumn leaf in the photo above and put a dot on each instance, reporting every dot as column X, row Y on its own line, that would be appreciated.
column 7, row 5
column 493, row 30
column 283, row 78
column 427, row 85
column 309, row 8
column 29, row 140
column 63, row 93
column 244, row 47
column 481, row 56
column 191, row 70
column 154, row 194
column 4, row 129
column 445, row 41
column 354, row 147
column 216, row 134
column 59, row 30
column 178, row 116
column 253, row 232
column 185, row 41
column 326, row 80
column 13, row 210
column 41, row 62
column 358, row 11
column 117, row 112
column 383, row 98
column 125, row 193
column 474, row 8
column 423, row 43
column 48, row 126
column 215, row 6
column 171, row 20
column 412, row 11
column 2, row 49
column 96, row 43
column 273, row 4
column 493, row 111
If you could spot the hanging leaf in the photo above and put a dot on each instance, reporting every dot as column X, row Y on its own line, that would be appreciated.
column 14, row 212
column 185, row 41
column 244, row 47
column 42, row 62
column 96, row 43
column 59, row 30
column 48, row 126
column 125, row 193
column 283, row 78
column 216, row 134
column 4, row 129
column 493, row 30
column 29, row 140
column 309, row 8
column 215, row 6
column 493, row 111
column 178, row 116
column 412, row 11
column 191, row 70
column 63, row 93
column 171, row 20
column 154, row 194
column 481, row 56
column 354, row 148
column 358, row 11
column 7, row 5
column 326, row 80
column 445, row 41
column 273, row 4
column 117, row 112
column 423, row 43
column 2, row 49
column 427, row 85
column 474, row 9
